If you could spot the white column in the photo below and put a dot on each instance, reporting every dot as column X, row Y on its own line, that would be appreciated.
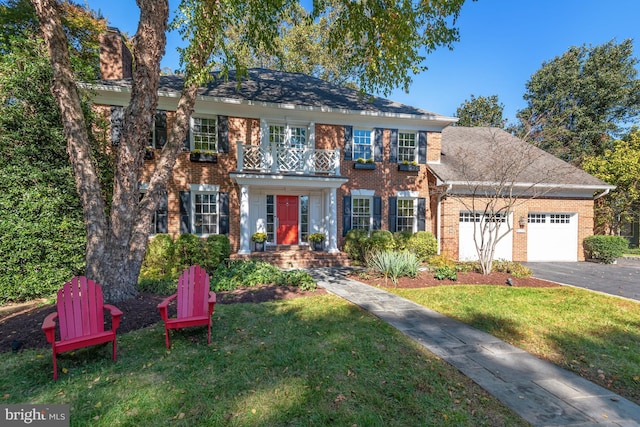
column 331, row 215
column 245, row 229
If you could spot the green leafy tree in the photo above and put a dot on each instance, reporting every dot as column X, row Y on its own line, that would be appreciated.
column 388, row 41
column 577, row 101
column 481, row 111
column 41, row 222
column 619, row 166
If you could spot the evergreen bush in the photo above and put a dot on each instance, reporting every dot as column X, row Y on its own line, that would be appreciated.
column 605, row 248
column 423, row 244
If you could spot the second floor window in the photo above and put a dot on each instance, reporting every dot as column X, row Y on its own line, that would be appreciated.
column 288, row 136
column 204, row 133
column 362, row 144
column 407, row 147
column 158, row 134
column 361, row 213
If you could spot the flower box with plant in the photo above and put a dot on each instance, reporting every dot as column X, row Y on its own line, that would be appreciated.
column 364, row 164
column 408, row 166
column 206, row 156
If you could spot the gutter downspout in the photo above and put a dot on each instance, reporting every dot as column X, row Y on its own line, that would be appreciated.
column 439, row 212
column 604, row 193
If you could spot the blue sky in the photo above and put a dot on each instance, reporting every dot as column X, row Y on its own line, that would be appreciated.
column 502, row 43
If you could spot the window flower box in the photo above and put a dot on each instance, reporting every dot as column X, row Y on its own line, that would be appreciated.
column 203, row 156
column 364, row 165
column 408, row 167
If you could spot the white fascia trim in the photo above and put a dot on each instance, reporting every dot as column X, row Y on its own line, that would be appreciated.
column 267, row 180
column 490, row 184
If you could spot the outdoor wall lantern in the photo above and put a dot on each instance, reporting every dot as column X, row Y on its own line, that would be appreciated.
column 522, row 221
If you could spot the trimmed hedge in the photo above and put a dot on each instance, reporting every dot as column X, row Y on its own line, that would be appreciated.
column 358, row 244
column 605, row 248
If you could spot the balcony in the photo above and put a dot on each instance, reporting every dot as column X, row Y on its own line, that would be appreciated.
column 279, row 160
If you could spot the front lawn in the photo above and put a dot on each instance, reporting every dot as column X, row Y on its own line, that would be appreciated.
column 595, row 336
column 307, row 361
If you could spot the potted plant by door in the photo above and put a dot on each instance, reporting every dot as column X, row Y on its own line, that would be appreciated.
column 259, row 238
column 317, row 240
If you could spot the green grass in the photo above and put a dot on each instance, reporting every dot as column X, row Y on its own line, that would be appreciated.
column 595, row 336
column 307, row 361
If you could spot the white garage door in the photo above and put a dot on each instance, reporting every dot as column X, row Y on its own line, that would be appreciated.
column 552, row 237
column 467, row 246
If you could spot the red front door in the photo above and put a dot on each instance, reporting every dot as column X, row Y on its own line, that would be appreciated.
column 287, row 209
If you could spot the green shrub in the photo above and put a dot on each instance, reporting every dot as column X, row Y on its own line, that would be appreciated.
column 164, row 286
column 379, row 241
column 437, row 261
column 401, row 238
column 445, row 272
column 423, row 244
column 355, row 244
column 251, row 273
column 158, row 260
column 189, row 250
column 216, row 249
column 605, row 248
column 513, row 268
column 393, row 264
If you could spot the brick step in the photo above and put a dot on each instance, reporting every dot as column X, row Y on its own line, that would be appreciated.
column 297, row 257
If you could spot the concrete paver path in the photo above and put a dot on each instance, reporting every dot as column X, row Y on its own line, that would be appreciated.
column 540, row 392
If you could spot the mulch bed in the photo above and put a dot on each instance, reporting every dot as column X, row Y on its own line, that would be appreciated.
column 20, row 324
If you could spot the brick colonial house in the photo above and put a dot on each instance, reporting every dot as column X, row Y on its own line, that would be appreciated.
column 291, row 155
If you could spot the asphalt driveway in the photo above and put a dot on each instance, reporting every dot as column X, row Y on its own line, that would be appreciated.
column 621, row 279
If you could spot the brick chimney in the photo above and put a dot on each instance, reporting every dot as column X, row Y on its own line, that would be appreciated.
column 116, row 61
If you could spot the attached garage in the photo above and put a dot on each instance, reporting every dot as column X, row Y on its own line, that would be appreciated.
column 467, row 245
column 552, row 236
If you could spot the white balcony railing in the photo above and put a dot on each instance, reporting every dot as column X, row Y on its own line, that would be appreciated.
column 288, row 160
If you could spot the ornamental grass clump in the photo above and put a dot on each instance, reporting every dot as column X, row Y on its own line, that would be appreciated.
column 394, row 264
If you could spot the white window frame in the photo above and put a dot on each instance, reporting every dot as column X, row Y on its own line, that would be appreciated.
column 214, row 135
column 414, row 217
column 289, row 126
column 362, row 195
column 209, row 190
column 412, row 157
column 355, row 138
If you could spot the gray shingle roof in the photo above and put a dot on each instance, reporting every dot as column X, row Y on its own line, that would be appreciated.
column 483, row 154
column 279, row 87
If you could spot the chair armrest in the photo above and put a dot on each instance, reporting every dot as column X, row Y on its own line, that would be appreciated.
column 49, row 327
column 163, row 306
column 212, row 302
column 115, row 316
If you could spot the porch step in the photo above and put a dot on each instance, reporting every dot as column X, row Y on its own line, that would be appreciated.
column 296, row 256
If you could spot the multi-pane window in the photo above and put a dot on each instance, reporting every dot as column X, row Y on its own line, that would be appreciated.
column 361, row 213
column 288, row 136
column 304, row 218
column 534, row 218
column 362, row 144
column 407, row 147
column 204, row 132
column 205, row 213
column 406, row 215
column 271, row 218
column 560, row 219
column 158, row 134
column 159, row 217
column 470, row 217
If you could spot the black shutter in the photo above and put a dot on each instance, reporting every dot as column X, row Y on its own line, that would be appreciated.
column 346, row 214
column 348, row 142
column 393, row 146
column 186, row 146
column 185, row 209
column 393, row 214
column 117, row 123
column 160, row 128
column 223, row 134
column 422, row 214
column 377, row 145
column 422, row 147
column 162, row 214
column 377, row 213
column 223, row 222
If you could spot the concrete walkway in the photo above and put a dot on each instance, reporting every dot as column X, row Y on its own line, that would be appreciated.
column 538, row 391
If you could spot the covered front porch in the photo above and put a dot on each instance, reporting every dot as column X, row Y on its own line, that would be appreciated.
column 288, row 208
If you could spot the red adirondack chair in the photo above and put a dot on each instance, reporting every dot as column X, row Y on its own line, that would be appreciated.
column 81, row 318
column 194, row 302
